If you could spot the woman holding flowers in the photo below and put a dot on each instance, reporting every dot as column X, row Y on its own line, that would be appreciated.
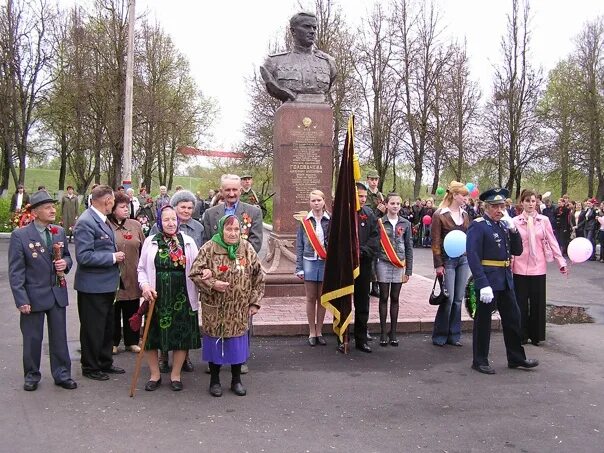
column 166, row 260
column 129, row 239
column 231, row 283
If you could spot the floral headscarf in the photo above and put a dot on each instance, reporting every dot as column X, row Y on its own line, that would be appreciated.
column 159, row 223
column 219, row 238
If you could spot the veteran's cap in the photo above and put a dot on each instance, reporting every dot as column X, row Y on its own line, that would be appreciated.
column 372, row 174
column 495, row 196
column 246, row 175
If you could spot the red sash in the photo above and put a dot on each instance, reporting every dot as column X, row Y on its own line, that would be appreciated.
column 388, row 248
column 314, row 240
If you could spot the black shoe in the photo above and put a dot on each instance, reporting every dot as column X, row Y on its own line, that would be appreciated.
column 95, row 375
column 369, row 337
column 312, row 341
column 176, row 385
column 216, row 390
column 440, row 345
column 535, row 343
column 340, row 348
column 394, row 342
column 362, row 347
column 68, row 384
column 238, row 389
column 151, row 386
column 30, row 386
column 484, row 369
column 527, row 363
column 321, row 340
column 114, row 370
column 383, row 340
column 188, row 365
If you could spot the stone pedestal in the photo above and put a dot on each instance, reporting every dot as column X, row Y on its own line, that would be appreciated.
column 302, row 162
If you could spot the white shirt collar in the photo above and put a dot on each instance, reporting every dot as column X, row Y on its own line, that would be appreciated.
column 446, row 209
column 325, row 215
column 99, row 213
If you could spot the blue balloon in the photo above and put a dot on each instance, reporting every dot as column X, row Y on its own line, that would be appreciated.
column 470, row 186
column 455, row 243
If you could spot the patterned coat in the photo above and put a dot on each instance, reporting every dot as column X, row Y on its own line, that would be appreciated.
column 226, row 314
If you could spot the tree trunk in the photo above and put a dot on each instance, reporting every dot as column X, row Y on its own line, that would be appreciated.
column 63, row 164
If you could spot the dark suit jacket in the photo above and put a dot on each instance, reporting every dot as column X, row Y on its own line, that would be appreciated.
column 369, row 235
column 95, row 245
column 214, row 214
column 31, row 271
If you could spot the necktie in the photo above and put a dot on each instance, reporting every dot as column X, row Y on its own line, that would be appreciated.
column 48, row 238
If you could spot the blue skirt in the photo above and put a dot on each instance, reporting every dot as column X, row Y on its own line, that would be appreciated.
column 313, row 270
column 229, row 351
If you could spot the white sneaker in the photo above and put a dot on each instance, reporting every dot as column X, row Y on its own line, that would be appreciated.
column 134, row 348
column 114, row 350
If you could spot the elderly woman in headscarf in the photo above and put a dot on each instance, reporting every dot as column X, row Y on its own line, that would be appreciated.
column 231, row 283
column 166, row 260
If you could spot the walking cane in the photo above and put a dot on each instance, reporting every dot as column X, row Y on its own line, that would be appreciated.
column 139, row 357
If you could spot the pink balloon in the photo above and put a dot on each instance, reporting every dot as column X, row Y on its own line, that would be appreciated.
column 475, row 193
column 580, row 250
column 427, row 220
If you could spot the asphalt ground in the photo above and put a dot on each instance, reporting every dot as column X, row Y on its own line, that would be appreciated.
column 416, row 397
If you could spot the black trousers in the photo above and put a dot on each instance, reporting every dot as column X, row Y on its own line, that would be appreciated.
column 96, row 330
column 505, row 302
column 361, row 301
column 122, row 312
column 530, row 295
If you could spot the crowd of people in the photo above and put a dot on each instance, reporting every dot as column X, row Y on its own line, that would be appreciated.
column 180, row 254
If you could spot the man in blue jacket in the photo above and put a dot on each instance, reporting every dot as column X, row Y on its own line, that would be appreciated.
column 97, row 279
column 492, row 240
column 39, row 288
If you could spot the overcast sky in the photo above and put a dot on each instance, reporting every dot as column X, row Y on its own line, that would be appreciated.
column 226, row 39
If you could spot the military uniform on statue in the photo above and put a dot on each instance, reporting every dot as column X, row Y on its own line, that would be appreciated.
column 369, row 240
column 491, row 242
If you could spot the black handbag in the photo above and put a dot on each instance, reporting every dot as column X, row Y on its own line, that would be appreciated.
column 442, row 296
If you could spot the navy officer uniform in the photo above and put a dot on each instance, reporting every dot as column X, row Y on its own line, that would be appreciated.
column 39, row 293
column 490, row 246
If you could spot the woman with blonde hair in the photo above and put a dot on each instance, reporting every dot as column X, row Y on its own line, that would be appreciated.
column 450, row 216
column 311, row 251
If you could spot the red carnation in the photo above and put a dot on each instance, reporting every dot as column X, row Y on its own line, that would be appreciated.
column 363, row 216
column 223, row 268
column 54, row 230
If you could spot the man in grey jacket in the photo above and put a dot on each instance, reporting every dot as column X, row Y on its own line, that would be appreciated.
column 97, row 279
column 39, row 288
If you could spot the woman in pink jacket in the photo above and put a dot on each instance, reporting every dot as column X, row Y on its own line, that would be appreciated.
column 539, row 246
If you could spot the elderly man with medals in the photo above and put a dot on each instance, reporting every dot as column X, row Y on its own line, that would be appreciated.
column 491, row 242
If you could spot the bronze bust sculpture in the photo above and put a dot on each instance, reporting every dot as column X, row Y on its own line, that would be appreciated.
column 304, row 73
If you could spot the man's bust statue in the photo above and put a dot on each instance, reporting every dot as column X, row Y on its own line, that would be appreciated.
column 304, row 73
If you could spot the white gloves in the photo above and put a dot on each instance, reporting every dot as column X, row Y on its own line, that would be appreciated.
column 508, row 222
column 486, row 295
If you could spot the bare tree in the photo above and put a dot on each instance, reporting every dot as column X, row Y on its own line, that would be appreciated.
column 590, row 58
column 27, row 51
column 380, row 91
